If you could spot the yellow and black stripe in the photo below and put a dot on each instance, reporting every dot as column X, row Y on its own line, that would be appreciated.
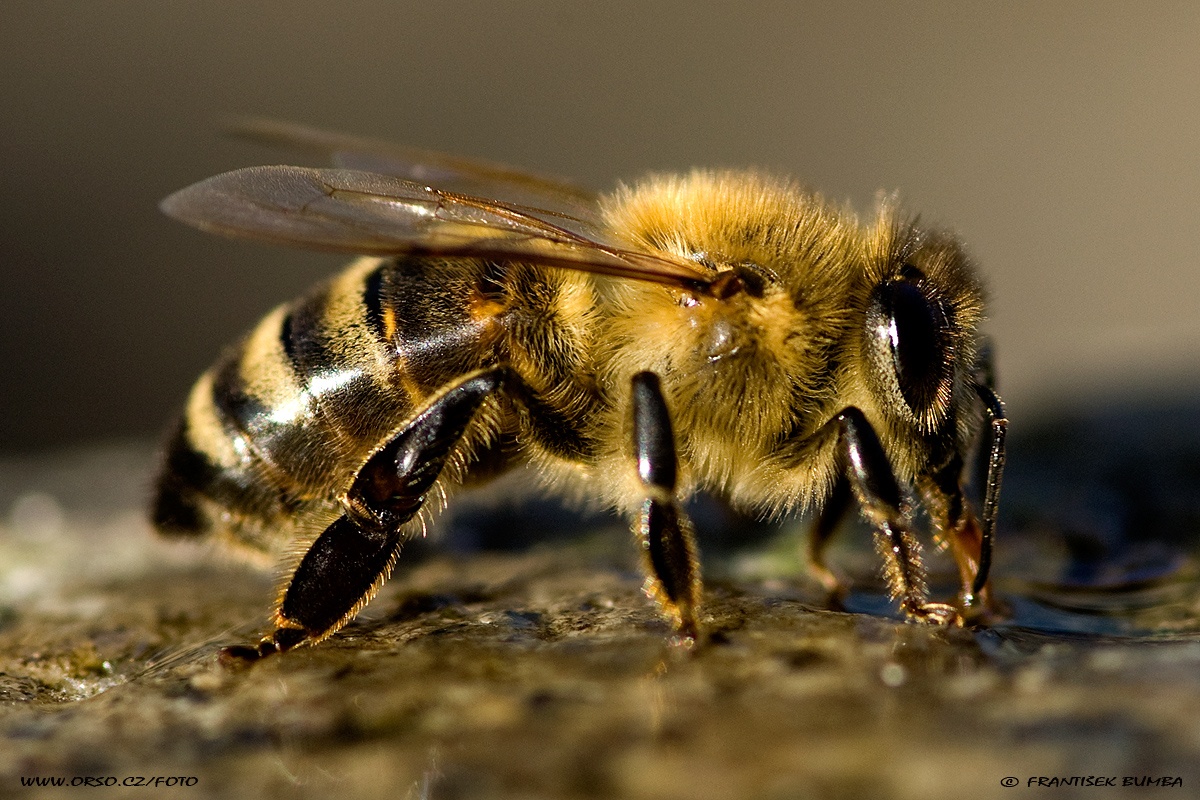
column 286, row 417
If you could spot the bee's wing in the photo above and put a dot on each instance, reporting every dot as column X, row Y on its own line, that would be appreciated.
column 367, row 213
column 427, row 167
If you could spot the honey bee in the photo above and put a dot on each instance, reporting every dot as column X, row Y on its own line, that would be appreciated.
column 719, row 331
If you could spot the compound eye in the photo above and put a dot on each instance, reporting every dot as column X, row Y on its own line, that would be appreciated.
column 914, row 329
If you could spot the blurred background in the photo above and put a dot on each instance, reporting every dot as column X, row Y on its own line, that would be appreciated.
column 1060, row 140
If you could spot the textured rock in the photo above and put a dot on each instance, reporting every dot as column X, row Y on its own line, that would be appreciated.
column 544, row 672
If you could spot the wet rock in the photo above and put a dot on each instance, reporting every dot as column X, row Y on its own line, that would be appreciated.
column 544, row 672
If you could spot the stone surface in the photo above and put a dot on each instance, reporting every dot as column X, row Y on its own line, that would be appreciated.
column 543, row 672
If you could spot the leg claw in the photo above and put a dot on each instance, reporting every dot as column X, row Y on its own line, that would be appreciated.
column 936, row 614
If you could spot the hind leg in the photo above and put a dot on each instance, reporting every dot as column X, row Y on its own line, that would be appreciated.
column 350, row 560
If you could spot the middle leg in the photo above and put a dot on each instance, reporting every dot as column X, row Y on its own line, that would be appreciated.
column 663, row 529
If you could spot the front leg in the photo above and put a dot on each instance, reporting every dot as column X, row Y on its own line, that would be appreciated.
column 663, row 529
column 955, row 527
column 993, row 472
column 970, row 537
column 874, row 484
column 352, row 558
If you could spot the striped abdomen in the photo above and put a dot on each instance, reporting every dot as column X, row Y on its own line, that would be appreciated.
column 277, row 428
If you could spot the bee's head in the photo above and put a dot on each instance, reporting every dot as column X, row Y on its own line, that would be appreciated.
column 922, row 307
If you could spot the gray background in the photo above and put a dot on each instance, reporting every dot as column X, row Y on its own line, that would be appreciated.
column 1060, row 140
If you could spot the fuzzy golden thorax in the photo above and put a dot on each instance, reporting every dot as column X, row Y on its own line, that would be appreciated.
column 747, row 359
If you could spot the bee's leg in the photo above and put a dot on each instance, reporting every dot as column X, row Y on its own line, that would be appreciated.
column 989, row 468
column 878, row 494
column 348, row 563
column 823, row 527
column 956, row 526
column 970, row 537
column 663, row 528
column 984, row 374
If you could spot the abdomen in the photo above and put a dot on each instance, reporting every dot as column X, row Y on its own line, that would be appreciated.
column 274, row 432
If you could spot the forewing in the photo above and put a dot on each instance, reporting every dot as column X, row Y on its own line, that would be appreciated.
column 372, row 214
column 427, row 167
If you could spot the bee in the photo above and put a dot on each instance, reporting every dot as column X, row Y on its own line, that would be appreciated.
column 718, row 331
